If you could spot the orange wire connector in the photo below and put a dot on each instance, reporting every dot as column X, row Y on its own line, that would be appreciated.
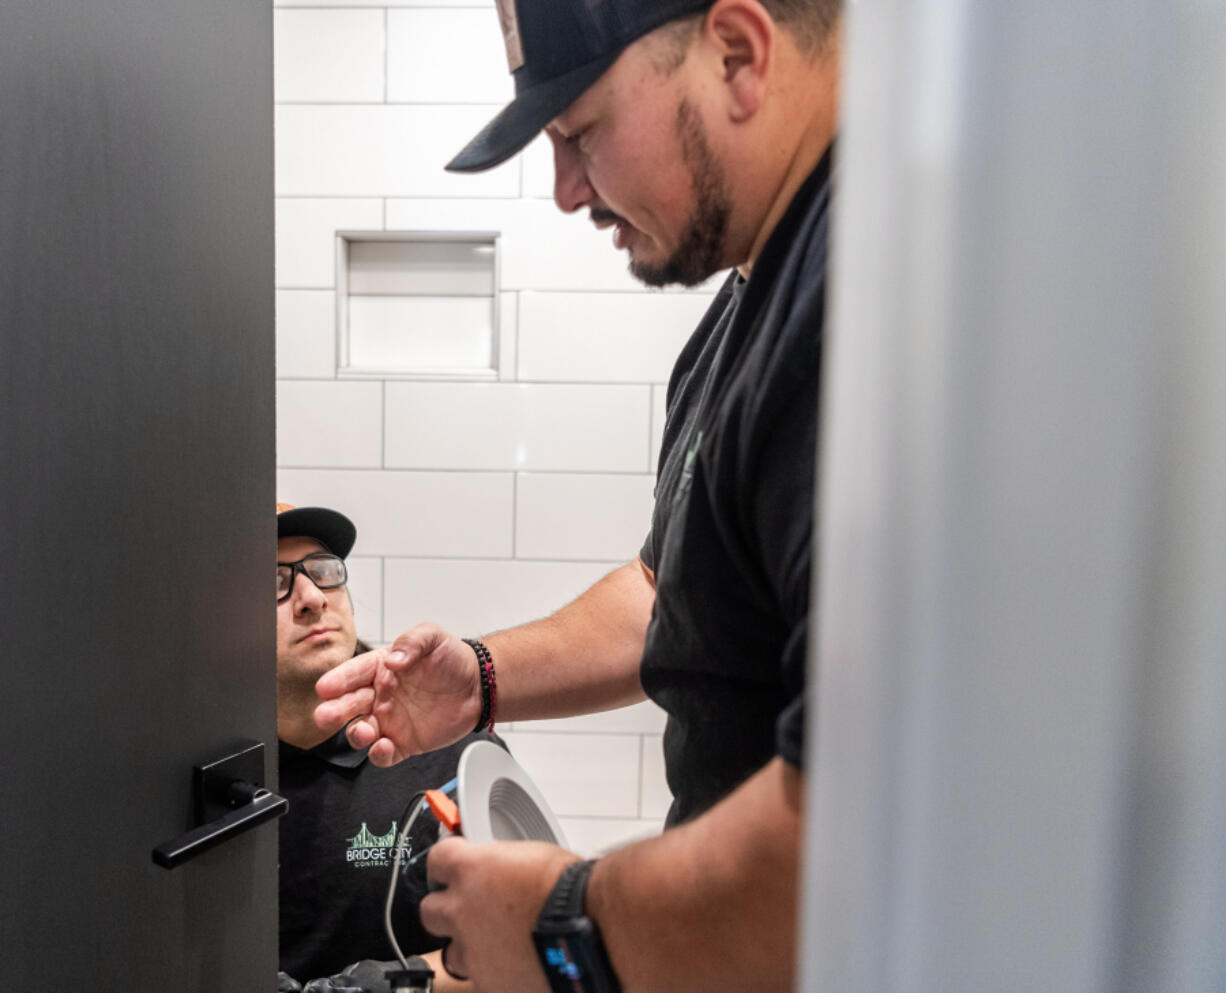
column 445, row 809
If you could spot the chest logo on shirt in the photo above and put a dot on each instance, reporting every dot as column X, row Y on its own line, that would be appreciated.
column 368, row 850
column 687, row 469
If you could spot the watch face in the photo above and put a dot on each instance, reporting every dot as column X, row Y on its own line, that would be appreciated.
column 574, row 959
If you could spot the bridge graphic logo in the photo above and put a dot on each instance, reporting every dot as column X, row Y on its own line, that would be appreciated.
column 368, row 839
column 368, row 850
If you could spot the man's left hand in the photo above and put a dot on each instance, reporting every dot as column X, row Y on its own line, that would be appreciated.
column 493, row 895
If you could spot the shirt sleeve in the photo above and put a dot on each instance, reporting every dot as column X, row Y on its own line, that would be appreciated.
column 790, row 733
column 647, row 552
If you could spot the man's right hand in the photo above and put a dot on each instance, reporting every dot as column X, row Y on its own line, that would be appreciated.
column 420, row 693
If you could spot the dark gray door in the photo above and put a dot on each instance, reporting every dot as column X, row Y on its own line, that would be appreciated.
column 136, row 498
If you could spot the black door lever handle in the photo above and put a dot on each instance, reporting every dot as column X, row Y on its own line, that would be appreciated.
column 229, row 800
column 262, row 806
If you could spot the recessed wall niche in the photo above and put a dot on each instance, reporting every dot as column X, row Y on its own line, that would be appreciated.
column 417, row 304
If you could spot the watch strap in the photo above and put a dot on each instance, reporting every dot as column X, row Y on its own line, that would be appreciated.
column 568, row 942
column 566, row 898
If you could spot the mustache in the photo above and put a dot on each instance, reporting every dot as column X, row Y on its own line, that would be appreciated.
column 601, row 214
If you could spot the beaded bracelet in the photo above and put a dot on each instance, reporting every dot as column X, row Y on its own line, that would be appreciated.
column 489, row 688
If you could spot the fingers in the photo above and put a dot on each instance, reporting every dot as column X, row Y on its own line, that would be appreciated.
column 332, row 715
column 453, row 968
column 490, row 898
column 383, row 752
column 359, row 671
column 415, row 643
column 381, row 682
column 443, row 859
column 436, row 907
column 362, row 732
column 442, row 984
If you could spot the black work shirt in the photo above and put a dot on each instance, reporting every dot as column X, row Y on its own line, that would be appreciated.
column 337, row 846
column 731, row 533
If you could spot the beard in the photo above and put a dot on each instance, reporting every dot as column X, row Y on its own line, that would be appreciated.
column 700, row 251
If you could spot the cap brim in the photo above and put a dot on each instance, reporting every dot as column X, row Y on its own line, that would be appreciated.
column 523, row 118
column 333, row 529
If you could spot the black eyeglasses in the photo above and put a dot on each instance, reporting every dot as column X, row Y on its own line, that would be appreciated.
column 323, row 569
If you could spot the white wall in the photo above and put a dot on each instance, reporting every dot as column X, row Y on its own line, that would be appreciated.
column 478, row 504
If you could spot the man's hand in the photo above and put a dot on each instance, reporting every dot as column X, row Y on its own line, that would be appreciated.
column 420, row 693
column 443, row 981
column 493, row 895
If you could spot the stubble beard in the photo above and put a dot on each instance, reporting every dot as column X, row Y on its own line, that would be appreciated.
column 304, row 666
column 700, row 253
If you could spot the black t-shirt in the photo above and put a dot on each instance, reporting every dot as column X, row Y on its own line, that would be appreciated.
column 731, row 533
column 337, row 846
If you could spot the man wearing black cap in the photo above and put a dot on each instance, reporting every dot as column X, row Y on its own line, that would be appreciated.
column 700, row 132
column 334, row 849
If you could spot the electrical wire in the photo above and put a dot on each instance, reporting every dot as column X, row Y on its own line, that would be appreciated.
column 411, row 811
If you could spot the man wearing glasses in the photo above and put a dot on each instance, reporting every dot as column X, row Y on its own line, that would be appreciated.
column 337, row 839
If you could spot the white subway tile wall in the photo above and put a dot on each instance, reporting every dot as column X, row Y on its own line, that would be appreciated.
column 306, row 237
column 461, row 514
column 309, row 432
column 542, row 248
column 479, row 503
column 594, row 775
column 538, row 168
column 366, row 589
column 479, row 594
column 620, row 338
column 306, row 334
column 423, row 70
column 580, row 516
column 357, row 150
column 659, row 405
column 329, row 56
column 522, row 426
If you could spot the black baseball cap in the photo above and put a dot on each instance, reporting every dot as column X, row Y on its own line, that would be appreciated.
column 332, row 529
column 557, row 49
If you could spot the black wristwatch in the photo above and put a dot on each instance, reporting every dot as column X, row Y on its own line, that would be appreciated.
column 568, row 943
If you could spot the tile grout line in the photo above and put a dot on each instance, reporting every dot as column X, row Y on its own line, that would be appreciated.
column 386, row 59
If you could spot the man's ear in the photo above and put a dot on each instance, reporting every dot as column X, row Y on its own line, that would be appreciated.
column 744, row 36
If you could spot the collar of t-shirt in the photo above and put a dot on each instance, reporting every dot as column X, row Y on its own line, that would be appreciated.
column 335, row 751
